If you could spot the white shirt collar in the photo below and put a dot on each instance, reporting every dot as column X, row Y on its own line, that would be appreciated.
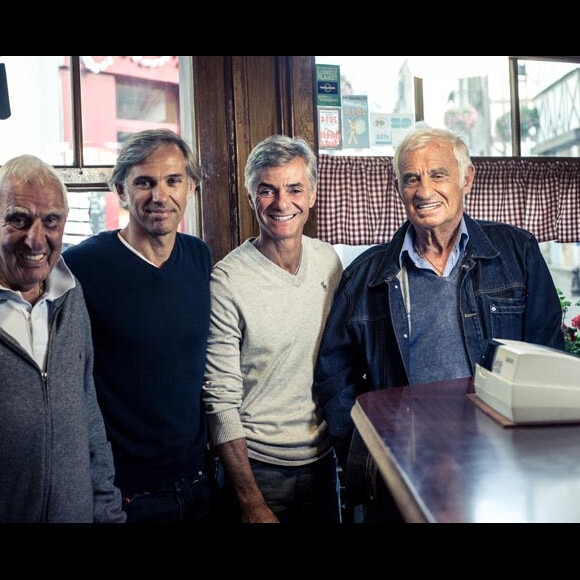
column 59, row 282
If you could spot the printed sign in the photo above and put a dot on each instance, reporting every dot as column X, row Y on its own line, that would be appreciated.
column 355, row 122
column 329, row 128
column 390, row 129
column 328, row 85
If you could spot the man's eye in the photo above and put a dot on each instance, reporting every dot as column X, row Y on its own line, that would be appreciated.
column 52, row 221
column 18, row 222
column 143, row 183
column 265, row 193
column 410, row 181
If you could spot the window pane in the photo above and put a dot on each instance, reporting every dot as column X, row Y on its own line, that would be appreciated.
column 550, row 108
column 39, row 87
column 386, row 85
column 467, row 94
column 91, row 213
column 564, row 263
column 123, row 95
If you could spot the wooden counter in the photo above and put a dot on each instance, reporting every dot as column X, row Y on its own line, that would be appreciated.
column 445, row 460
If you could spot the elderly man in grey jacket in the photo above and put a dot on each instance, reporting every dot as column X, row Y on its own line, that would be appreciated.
column 55, row 462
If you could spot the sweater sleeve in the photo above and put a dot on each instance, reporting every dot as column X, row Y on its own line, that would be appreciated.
column 223, row 385
column 106, row 497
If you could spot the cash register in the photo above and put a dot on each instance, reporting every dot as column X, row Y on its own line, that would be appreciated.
column 529, row 384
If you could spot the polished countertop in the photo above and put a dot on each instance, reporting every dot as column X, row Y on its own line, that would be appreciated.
column 445, row 460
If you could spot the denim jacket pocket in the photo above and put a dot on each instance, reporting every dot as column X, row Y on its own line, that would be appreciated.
column 506, row 316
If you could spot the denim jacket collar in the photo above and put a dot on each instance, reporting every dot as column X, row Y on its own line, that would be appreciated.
column 479, row 247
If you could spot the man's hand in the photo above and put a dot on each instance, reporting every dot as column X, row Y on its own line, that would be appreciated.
column 234, row 456
column 259, row 514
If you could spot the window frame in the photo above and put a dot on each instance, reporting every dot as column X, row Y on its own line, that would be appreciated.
column 79, row 177
column 515, row 95
column 514, row 62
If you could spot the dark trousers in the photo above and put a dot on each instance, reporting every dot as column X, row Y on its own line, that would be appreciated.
column 188, row 501
column 308, row 494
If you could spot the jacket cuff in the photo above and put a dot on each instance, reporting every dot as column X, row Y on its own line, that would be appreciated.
column 225, row 427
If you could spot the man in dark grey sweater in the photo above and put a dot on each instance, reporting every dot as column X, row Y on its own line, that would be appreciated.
column 56, row 465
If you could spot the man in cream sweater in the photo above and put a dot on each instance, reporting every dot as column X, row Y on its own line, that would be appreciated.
column 270, row 301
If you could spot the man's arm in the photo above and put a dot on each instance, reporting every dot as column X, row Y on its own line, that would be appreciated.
column 338, row 378
column 106, row 497
column 223, row 397
column 543, row 318
column 234, row 456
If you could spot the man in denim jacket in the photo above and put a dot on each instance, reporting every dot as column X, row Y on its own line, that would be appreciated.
column 421, row 308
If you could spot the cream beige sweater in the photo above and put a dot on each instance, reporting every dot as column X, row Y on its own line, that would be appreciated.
column 266, row 328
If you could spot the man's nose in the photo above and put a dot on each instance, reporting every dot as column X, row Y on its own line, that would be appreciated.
column 35, row 235
column 426, row 187
column 282, row 200
column 160, row 193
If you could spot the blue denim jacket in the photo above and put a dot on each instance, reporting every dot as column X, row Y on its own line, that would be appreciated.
column 506, row 292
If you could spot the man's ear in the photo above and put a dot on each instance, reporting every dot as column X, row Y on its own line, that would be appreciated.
column 251, row 202
column 397, row 185
column 192, row 188
column 120, row 191
column 470, row 177
column 313, row 197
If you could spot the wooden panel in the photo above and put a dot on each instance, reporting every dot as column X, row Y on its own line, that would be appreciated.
column 212, row 96
column 256, row 113
column 302, row 95
column 240, row 101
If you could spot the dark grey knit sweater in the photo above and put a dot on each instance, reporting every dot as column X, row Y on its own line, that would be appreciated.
column 55, row 461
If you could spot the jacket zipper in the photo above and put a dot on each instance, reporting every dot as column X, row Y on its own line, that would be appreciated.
column 48, row 444
column 466, row 268
column 45, row 374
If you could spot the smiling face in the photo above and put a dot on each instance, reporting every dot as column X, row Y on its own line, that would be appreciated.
column 431, row 188
column 156, row 193
column 33, row 219
column 283, row 201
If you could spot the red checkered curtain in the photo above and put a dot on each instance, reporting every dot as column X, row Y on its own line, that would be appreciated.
column 540, row 196
column 359, row 203
column 358, row 200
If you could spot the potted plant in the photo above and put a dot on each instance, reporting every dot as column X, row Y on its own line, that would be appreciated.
column 572, row 332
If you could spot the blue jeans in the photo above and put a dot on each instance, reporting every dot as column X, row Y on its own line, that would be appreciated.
column 189, row 500
column 309, row 494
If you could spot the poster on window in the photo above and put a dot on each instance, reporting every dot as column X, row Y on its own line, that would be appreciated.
column 328, row 85
column 329, row 128
column 355, row 122
column 381, row 131
column 390, row 130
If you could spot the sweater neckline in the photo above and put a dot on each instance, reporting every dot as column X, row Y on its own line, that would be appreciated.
column 266, row 263
column 140, row 259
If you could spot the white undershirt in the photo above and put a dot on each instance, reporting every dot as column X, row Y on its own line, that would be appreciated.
column 130, row 247
column 30, row 325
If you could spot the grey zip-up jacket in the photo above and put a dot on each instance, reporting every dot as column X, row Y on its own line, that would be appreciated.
column 56, row 464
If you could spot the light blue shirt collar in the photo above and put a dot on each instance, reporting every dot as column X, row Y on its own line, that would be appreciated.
column 458, row 251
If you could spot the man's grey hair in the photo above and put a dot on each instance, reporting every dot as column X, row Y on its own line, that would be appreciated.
column 30, row 169
column 424, row 136
column 141, row 145
column 275, row 152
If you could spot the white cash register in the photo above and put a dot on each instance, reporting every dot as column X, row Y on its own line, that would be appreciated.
column 529, row 384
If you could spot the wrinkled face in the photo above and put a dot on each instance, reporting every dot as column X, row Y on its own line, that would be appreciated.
column 33, row 219
column 284, row 200
column 156, row 192
column 431, row 187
